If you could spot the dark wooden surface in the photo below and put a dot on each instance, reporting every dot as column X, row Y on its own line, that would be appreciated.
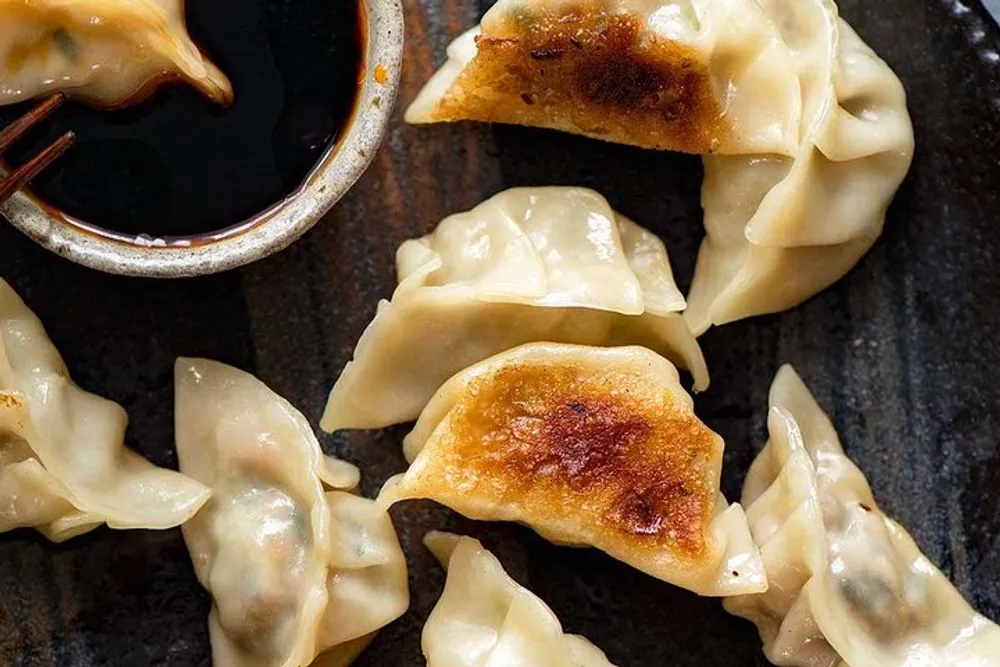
column 904, row 352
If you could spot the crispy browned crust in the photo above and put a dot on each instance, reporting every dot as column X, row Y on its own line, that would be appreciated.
column 586, row 70
column 606, row 451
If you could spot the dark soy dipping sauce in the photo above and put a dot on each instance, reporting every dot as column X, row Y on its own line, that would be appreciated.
column 176, row 164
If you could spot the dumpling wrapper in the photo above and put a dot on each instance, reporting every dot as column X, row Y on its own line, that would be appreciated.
column 530, row 264
column 367, row 581
column 849, row 587
column 805, row 130
column 30, row 496
column 779, row 229
column 64, row 467
column 485, row 618
column 105, row 52
column 295, row 571
column 698, row 76
column 589, row 447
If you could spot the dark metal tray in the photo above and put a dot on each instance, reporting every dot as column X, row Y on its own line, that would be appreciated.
column 904, row 353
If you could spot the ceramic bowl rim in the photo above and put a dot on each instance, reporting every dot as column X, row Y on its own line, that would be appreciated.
column 267, row 232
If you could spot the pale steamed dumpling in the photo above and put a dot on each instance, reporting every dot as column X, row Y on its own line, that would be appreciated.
column 805, row 130
column 107, row 52
column 530, row 264
column 486, row 619
column 64, row 467
column 295, row 571
column 779, row 229
column 588, row 446
column 849, row 587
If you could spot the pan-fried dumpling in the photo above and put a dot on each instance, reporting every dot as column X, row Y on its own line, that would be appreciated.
column 531, row 264
column 484, row 618
column 805, row 130
column 780, row 229
column 106, row 52
column 294, row 571
column 591, row 447
column 64, row 467
column 849, row 587
column 698, row 76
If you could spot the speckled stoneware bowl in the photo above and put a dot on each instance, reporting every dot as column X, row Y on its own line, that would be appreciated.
column 270, row 230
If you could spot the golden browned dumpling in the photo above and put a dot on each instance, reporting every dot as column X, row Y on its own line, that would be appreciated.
column 588, row 446
column 107, row 52
column 697, row 76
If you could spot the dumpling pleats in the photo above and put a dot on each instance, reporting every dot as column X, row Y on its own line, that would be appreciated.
column 31, row 496
column 367, row 580
column 485, row 618
column 781, row 228
column 849, row 587
column 65, row 467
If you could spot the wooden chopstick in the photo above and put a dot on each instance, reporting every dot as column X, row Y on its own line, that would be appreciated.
column 8, row 135
column 20, row 176
column 19, row 127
